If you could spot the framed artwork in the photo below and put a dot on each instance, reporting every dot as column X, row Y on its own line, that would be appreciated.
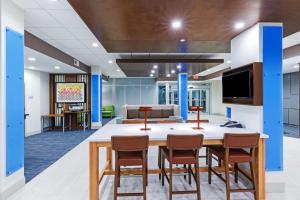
column 70, row 93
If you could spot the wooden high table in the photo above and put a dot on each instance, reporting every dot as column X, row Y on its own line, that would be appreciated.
column 84, row 112
column 213, row 135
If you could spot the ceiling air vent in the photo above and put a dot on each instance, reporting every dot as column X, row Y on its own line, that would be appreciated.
column 76, row 62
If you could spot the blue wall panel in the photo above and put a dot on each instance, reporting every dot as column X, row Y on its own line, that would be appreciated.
column 95, row 98
column 272, row 96
column 14, row 101
column 182, row 84
column 100, row 96
column 228, row 112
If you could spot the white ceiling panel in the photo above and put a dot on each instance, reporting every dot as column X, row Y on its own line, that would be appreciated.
column 27, row 4
column 82, row 33
column 67, row 18
column 82, row 51
column 72, row 44
column 37, row 32
column 39, row 18
column 57, row 23
column 65, row 4
column 51, row 4
column 58, row 33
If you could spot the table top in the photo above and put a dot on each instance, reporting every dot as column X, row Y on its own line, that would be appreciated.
column 145, row 109
column 76, row 111
column 160, row 131
column 53, row 115
column 196, row 108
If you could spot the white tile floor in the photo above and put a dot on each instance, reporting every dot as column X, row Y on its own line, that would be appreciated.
column 67, row 179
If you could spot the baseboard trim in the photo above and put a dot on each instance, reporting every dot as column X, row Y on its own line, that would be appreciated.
column 12, row 189
column 32, row 133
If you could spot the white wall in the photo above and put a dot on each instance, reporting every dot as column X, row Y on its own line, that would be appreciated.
column 13, row 17
column 36, row 99
column 217, row 106
column 245, row 49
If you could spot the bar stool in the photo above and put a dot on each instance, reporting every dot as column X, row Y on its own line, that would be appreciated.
column 237, row 148
column 182, row 150
column 130, row 151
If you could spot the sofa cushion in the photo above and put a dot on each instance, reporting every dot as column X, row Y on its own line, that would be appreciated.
column 156, row 113
column 166, row 113
column 132, row 114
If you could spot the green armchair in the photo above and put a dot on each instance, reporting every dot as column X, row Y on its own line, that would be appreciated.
column 108, row 111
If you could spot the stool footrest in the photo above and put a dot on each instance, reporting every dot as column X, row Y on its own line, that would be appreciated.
column 185, row 192
column 130, row 194
column 242, row 190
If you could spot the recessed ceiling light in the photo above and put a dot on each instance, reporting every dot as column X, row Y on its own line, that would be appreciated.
column 176, row 24
column 95, row 44
column 182, row 40
column 152, row 71
column 228, row 61
column 155, row 66
column 31, row 67
column 178, row 66
column 32, row 59
column 57, row 67
column 296, row 66
column 151, row 75
column 168, row 75
column 118, row 70
column 110, row 61
column 239, row 25
column 173, row 71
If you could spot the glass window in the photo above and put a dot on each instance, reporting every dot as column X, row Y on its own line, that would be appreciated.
column 161, row 94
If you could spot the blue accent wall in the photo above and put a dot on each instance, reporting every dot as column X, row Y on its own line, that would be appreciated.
column 100, row 96
column 95, row 98
column 228, row 112
column 14, row 101
column 182, row 81
column 272, row 96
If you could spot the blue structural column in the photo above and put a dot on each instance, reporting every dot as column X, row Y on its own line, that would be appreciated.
column 272, row 96
column 182, row 85
column 96, row 102
column 15, row 128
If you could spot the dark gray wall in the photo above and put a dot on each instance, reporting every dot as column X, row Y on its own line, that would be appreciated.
column 291, row 98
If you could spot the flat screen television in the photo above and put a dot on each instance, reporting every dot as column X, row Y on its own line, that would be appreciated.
column 70, row 93
column 238, row 85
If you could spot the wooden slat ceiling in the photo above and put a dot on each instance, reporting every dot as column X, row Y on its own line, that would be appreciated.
column 144, row 25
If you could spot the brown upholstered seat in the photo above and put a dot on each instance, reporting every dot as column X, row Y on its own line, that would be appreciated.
column 181, row 149
column 180, row 156
column 233, row 152
column 235, row 155
column 130, row 151
column 132, row 158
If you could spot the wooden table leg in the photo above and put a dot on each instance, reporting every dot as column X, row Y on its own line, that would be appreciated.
column 260, row 169
column 109, row 158
column 94, row 171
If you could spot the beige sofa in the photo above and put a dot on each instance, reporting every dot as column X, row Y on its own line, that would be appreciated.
column 158, row 113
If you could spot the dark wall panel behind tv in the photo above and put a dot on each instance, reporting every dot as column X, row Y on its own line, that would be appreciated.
column 243, row 85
